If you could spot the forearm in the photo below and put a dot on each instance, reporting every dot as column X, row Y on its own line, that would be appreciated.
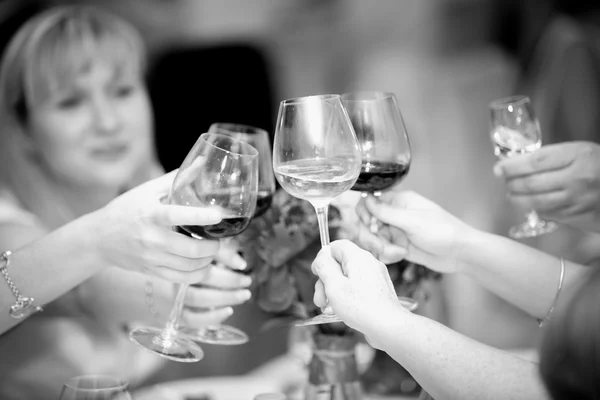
column 449, row 365
column 51, row 266
column 520, row 274
column 129, row 300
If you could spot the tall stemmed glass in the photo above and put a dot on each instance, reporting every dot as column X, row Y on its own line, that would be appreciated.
column 515, row 130
column 316, row 157
column 384, row 144
column 219, row 172
column 259, row 139
column 222, row 334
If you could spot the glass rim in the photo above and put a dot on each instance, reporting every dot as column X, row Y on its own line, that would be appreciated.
column 367, row 95
column 304, row 99
column 514, row 100
column 228, row 127
column 119, row 384
column 252, row 152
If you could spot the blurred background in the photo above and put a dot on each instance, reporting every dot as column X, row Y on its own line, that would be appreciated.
column 445, row 60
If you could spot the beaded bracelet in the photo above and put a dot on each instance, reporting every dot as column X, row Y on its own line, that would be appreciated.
column 149, row 296
column 23, row 306
column 544, row 321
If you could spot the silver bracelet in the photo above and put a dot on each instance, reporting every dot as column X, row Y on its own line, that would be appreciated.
column 23, row 306
column 544, row 321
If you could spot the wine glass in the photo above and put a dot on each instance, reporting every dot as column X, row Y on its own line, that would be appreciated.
column 385, row 148
column 515, row 130
column 95, row 387
column 219, row 172
column 316, row 157
column 259, row 139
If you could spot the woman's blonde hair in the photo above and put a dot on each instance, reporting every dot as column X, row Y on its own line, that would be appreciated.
column 49, row 51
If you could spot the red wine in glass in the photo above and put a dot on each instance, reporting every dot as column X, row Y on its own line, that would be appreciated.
column 228, row 227
column 376, row 176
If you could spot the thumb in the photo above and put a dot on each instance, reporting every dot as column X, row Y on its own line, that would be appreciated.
column 327, row 268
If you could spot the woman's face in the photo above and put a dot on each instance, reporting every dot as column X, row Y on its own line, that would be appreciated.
column 96, row 130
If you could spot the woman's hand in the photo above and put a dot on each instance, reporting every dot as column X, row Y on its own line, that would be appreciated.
column 415, row 228
column 357, row 286
column 135, row 232
column 560, row 181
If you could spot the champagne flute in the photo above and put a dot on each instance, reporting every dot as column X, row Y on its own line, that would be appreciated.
column 219, row 172
column 515, row 130
column 385, row 148
column 95, row 387
column 316, row 157
column 259, row 139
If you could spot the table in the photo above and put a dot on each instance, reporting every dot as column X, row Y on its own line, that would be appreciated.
column 274, row 376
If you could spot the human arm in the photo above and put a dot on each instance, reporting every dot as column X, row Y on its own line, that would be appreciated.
column 132, row 232
column 429, row 235
column 560, row 181
column 446, row 364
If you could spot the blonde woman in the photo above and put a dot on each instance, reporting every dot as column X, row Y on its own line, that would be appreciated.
column 75, row 132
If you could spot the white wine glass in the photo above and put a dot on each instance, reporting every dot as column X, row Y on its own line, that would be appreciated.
column 219, row 172
column 515, row 130
column 316, row 157
column 385, row 148
column 95, row 387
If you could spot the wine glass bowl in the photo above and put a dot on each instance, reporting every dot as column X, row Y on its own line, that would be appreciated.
column 259, row 139
column 219, row 172
column 316, row 157
column 514, row 130
column 224, row 176
column 95, row 387
column 383, row 139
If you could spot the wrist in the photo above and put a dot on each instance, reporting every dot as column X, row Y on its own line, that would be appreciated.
column 388, row 326
column 92, row 230
column 473, row 249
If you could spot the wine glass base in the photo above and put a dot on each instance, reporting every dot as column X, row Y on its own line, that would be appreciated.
column 175, row 348
column 221, row 335
column 324, row 318
column 525, row 230
column 328, row 318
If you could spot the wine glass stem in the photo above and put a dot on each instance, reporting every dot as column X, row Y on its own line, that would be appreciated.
column 322, row 211
column 533, row 218
column 323, row 223
column 171, row 327
column 373, row 221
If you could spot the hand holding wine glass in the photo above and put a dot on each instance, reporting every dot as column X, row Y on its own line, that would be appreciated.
column 220, row 172
column 316, row 157
column 514, row 131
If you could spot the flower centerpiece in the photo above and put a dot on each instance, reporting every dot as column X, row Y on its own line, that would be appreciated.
column 279, row 248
